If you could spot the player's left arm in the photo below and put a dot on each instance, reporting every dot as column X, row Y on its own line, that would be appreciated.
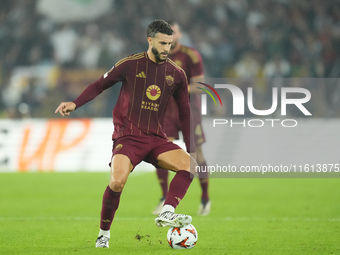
column 195, row 72
column 181, row 97
column 192, row 87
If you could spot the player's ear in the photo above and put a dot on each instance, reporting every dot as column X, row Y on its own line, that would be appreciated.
column 150, row 41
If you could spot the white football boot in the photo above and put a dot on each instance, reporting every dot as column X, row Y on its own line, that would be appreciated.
column 102, row 242
column 204, row 208
column 172, row 219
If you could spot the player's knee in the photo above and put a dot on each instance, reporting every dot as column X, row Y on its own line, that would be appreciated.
column 183, row 164
column 117, row 185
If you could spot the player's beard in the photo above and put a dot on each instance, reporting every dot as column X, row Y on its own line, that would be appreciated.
column 158, row 55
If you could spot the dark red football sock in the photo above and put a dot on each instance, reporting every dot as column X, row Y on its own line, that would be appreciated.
column 204, row 181
column 178, row 187
column 109, row 207
column 204, row 185
column 162, row 175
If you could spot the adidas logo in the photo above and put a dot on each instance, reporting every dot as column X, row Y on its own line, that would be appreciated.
column 141, row 75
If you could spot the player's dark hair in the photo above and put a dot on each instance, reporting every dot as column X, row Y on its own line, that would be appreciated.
column 158, row 26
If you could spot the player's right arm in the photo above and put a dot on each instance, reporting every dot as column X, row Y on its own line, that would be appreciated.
column 65, row 108
column 116, row 74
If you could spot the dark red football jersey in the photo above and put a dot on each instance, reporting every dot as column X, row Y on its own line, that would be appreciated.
column 189, row 60
column 192, row 64
column 145, row 93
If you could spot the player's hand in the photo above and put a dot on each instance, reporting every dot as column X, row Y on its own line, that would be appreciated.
column 193, row 164
column 65, row 108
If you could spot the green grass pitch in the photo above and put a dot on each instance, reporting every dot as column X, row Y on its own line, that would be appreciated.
column 58, row 213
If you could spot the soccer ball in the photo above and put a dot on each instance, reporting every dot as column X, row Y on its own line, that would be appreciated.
column 182, row 238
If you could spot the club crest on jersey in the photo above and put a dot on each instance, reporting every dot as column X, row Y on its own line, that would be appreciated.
column 153, row 92
column 169, row 80
column 119, row 146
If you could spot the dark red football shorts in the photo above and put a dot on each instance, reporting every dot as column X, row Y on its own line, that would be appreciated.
column 138, row 148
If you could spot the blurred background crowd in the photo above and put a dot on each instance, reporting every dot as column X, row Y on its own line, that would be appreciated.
column 49, row 54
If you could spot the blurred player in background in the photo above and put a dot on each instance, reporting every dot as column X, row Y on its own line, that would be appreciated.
column 191, row 62
column 149, row 80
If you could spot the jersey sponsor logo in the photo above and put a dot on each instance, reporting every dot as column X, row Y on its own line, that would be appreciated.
column 153, row 92
column 169, row 80
column 107, row 73
column 150, row 106
column 141, row 75
column 119, row 146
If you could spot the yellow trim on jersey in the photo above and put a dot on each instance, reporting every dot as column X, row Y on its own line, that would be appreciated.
column 133, row 95
column 177, row 66
column 136, row 56
column 133, row 57
column 191, row 53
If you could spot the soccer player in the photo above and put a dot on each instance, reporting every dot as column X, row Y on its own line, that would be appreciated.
column 149, row 80
column 191, row 62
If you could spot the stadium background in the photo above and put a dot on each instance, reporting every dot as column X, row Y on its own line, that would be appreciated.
column 51, row 50
column 260, row 38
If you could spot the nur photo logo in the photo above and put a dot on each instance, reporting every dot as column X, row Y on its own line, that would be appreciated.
column 288, row 96
column 204, row 97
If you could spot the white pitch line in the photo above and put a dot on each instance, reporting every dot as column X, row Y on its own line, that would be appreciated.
column 73, row 218
column 152, row 218
column 279, row 219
